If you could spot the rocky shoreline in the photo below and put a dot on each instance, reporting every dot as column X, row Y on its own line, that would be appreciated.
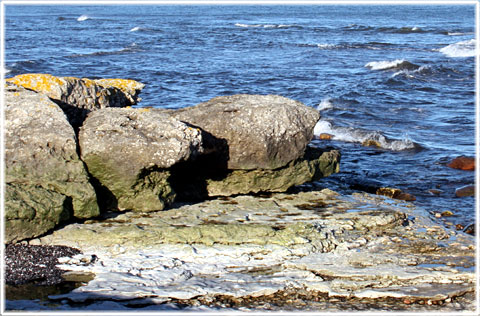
column 200, row 209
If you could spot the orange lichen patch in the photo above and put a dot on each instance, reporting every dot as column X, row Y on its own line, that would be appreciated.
column 44, row 83
column 125, row 85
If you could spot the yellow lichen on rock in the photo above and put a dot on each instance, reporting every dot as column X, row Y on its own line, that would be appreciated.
column 44, row 83
column 126, row 85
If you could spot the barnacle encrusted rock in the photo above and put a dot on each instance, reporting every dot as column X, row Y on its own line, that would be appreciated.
column 79, row 96
column 261, row 131
column 130, row 150
column 46, row 181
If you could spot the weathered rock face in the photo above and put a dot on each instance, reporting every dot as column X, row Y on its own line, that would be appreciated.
column 78, row 97
column 129, row 151
column 315, row 164
column 46, row 180
column 261, row 132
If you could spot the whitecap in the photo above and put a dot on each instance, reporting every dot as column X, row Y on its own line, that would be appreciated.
column 325, row 104
column 135, row 29
column 397, row 64
column 327, row 46
column 354, row 135
column 461, row 49
column 264, row 25
column 83, row 17
column 247, row 25
column 409, row 73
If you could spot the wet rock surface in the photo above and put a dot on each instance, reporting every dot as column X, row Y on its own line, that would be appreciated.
column 299, row 251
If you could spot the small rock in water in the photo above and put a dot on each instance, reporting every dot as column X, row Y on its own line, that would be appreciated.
column 325, row 136
column 396, row 194
column 371, row 143
column 447, row 213
column 435, row 191
column 470, row 229
column 463, row 163
column 467, row 190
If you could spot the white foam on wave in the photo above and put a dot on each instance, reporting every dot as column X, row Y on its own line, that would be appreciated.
column 135, row 29
column 352, row 135
column 410, row 73
column 461, row 49
column 263, row 25
column 325, row 104
column 385, row 64
column 327, row 46
column 83, row 17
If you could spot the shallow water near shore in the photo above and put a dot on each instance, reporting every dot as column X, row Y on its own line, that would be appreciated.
column 402, row 76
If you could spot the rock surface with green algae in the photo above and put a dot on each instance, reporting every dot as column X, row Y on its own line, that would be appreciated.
column 130, row 150
column 246, row 250
column 46, row 181
column 314, row 164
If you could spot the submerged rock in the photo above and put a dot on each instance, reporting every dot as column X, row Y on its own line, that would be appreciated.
column 261, row 132
column 79, row 96
column 317, row 243
column 46, row 181
column 467, row 190
column 396, row 194
column 463, row 163
column 130, row 150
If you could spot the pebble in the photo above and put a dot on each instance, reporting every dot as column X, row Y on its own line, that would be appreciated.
column 325, row 136
column 28, row 263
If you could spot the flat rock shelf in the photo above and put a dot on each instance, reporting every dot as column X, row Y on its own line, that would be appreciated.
column 311, row 251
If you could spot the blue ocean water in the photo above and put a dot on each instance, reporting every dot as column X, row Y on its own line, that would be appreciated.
column 402, row 75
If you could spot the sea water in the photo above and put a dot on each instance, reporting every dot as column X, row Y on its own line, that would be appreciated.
column 400, row 75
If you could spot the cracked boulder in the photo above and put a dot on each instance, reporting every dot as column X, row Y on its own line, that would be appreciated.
column 130, row 150
column 45, row 181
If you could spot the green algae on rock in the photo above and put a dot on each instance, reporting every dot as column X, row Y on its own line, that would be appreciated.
column 43, row 173
column 315, row 164
column 130, row 150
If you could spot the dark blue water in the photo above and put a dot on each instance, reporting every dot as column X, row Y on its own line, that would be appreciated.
column 403, row 76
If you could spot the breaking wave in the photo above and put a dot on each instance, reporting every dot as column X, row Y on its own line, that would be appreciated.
column 83, row 18
column 264, row 25
column 367, row 138
column 397, row 64
column 369, row 45
column 325, row 104
column 461, row 49
column 103, row 52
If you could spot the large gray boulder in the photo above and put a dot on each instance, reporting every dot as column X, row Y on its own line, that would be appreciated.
column 261, row 131
column 130, row 150
column 45, row 179
column 80, row 96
